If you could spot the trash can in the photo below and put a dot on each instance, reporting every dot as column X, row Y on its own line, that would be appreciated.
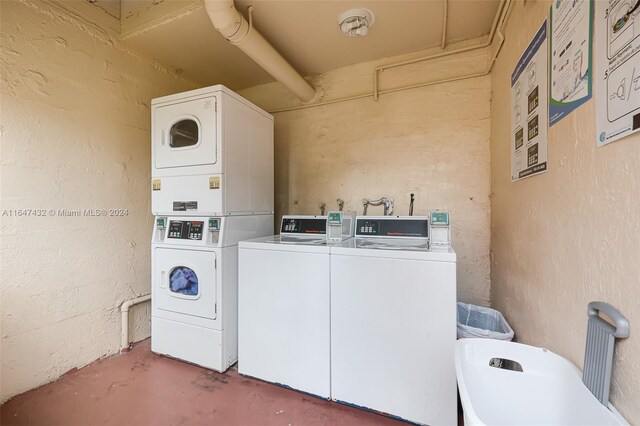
column 478, row 321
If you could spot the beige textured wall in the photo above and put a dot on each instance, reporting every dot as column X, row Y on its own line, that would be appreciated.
column 432, row 141
column 569, row 236
column 75, row 135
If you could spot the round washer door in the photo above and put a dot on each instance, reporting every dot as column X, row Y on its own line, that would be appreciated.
column 185, row 281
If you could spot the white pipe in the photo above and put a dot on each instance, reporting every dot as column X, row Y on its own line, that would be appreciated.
column 232, row 25
column 494, row 26
column 502, row 18
column 124, row 314
column 443, row 43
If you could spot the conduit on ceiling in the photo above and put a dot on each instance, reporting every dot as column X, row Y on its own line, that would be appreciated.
column 235, row 28
column 497, row 29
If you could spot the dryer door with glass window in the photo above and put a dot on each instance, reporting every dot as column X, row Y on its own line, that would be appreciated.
column 185, row 281
column 184, row 133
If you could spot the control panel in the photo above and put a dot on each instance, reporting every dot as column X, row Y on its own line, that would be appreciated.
column 186, row 230
column 303, row 225
column 440, row 218
column 368, row 227
column 340, row 225
column 214, row 224
column 189, row 231
column 334, row 218
column 389, row 226
column 440, row 228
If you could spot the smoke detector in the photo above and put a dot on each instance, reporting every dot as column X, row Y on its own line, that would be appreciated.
column 356, row 22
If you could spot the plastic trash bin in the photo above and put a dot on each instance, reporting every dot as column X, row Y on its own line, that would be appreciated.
column 478, row 321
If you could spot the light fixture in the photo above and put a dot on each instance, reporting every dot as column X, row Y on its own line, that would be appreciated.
column 356, row 22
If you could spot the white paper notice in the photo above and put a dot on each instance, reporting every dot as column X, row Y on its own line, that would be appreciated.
column 617, row 69
column 570, row 45
column 529, row 115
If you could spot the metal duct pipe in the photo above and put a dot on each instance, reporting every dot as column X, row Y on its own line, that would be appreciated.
column 232, row 25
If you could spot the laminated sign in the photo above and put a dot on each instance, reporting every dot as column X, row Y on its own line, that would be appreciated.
column 570, row 46
column 529, row 115
column 617, row 71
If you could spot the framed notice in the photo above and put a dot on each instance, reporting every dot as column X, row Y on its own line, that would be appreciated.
column 529, row 114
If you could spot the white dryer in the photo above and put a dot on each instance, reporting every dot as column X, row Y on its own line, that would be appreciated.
column 212, row 154
column 194, row 286
column 393, row 321
column 284, row 298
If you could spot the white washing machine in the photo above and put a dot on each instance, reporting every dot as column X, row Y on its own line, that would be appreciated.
column 284, row 298
column 212, row 154
column 194, row 291
column 393, row 321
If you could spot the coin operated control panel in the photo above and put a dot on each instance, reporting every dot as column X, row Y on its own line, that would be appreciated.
column 293, row 225
column 188, row 231
column 392, row 227
column 215, row 226
column 335, row 226
column 440, row 229
column 340, row 225
column 159, row 229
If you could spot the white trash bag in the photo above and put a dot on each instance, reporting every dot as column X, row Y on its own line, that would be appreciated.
column 478, row 321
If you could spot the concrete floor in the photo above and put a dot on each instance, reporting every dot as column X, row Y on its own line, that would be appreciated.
column 141, row 388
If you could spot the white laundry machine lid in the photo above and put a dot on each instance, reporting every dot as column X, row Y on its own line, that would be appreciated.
column 410, row 244
column 306, row 244
column 401, row 248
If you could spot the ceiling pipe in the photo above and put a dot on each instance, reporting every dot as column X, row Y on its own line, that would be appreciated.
column 497, row 31
column 487, row 43
column 235, row 28
column 445, row 18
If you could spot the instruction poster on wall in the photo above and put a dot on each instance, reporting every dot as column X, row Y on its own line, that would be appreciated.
column 617, row 71
column 570, row 46
column 529, row 115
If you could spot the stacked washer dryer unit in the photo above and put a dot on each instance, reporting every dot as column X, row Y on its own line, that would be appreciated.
column 212, row 186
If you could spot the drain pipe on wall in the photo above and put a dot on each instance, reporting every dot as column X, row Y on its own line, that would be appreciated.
column 124, row 314
column 235, row 28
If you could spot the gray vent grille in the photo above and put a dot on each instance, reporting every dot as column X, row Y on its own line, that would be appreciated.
column 598, row 357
